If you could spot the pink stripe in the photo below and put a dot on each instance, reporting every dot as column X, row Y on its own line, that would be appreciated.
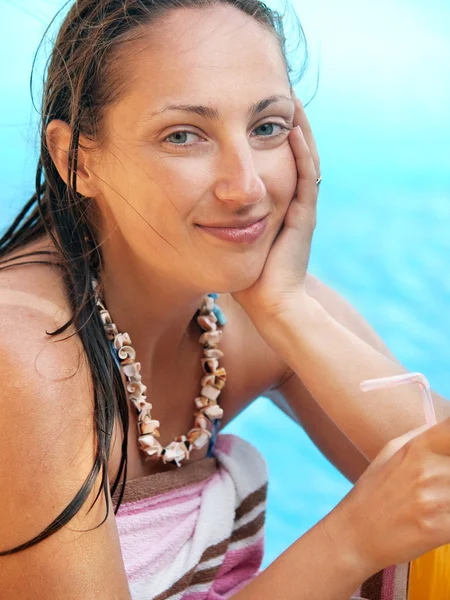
column 238, row 568
column 145, row 554
column 150, row 539
column 149, row 504
column 387, row 592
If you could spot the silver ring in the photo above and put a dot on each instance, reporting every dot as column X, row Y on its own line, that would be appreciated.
column 319, row 181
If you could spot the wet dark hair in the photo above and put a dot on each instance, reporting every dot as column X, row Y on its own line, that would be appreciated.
column 82, row 80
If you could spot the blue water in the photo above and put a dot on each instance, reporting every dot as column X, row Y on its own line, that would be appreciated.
column 383, row 239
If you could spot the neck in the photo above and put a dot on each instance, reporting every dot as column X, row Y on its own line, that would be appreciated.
column 155, row 310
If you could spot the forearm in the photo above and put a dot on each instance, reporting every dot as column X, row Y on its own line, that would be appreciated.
column 331, row 362
column 321, row 565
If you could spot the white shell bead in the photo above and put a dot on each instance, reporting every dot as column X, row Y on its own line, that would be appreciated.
column 207, row 380
column 105, row 317
column 213, row 411
column 132, row 369
column 210, row 392
column 208, row 303
column 149, row 426
column 121, row 339
column 127, row 354
column 200, row 402
column 139, row 402
column 213, row 353
column 145, row 413
column 206, row 323
column 176, row 451
column 201, row 422
column 136, row 388
column 199, row 438
column 150, row 444
column 211, row 337
column 210, row 365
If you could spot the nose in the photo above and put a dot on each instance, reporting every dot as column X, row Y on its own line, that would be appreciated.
column 238, row 182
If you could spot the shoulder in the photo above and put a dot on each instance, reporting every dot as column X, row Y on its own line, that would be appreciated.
column 44, row 388
column 33, row 304
column 48, row 446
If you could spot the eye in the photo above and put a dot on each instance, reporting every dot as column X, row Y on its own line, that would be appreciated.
column 269, row 130
column 181, row 138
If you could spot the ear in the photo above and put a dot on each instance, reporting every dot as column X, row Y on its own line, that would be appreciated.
column 58, row 139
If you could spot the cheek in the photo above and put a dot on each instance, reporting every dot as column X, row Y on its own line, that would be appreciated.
column 180, row 182
column 281, row 176
column 164, row 190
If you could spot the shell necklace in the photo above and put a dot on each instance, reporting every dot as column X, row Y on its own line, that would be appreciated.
column 207, row 414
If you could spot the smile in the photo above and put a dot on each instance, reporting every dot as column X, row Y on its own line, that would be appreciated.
column 243, row 235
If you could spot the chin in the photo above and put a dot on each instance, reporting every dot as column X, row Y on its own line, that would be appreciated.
column 237, row 276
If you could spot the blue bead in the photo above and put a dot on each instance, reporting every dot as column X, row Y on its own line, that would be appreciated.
column 221, row 318
column 215, row 296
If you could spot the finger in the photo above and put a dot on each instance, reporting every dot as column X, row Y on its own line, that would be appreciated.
column 302, row 120
column 307, row 191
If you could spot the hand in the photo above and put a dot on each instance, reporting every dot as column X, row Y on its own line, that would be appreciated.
column 400, row 508
column 283, row 277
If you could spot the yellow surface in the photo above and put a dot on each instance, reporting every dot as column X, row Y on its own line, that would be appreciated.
column 429, row 576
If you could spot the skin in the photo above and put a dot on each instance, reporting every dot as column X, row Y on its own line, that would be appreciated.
column 157, row 267
column 152, row 193
column 163, row 171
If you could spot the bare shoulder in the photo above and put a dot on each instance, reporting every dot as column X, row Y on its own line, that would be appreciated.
column 33, row 304
column 28, row 287
column 48, row 446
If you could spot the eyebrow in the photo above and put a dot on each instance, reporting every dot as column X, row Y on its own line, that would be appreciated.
column 212, row 113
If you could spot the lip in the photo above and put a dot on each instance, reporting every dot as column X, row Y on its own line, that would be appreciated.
column 243, row 233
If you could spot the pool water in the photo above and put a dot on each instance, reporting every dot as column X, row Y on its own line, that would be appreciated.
column 381, row 121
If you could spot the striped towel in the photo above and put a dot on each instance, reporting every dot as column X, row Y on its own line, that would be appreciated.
column 390, row 584
column 196, row 532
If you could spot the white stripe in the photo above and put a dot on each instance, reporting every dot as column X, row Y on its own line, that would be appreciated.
column 247, row 541
column 201, row 587
column 260, row 508
column 209, row 564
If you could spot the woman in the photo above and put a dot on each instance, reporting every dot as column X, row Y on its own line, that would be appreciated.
column 177, row 162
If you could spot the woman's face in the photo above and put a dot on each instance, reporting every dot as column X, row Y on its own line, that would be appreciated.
column 200, row 139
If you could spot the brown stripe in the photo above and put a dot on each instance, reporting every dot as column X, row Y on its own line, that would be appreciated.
column 215, row 551
column 251, row 501
column 205, row 576
column 167, row 481
column 192, row 577
column 179, row 586
column 373, row 587
column 249, row 529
